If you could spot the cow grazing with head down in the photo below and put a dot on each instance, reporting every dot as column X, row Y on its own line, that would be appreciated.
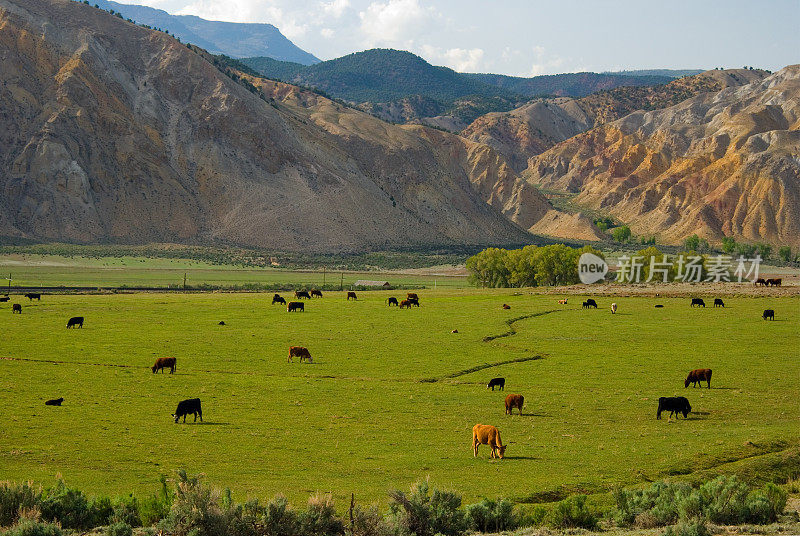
column 405, row 304
column 54, row 402
column 514, row 401
column 16, row 308
column 413, row 301
column 562, row 302
column 500, row 383
column 301, row 352
column 75, row 321
column 486, row 434
column 391, row 300
column 278, row 299
column 164, row 362
column 589, row 303
column 315, row 293
column 613, row 308
column 33, row 296
column 768, row 314
column 698, row 375
column 351, row 295
column 188, row 407
column 698, row 302
column 298, row 294
column 673, row 404
column 295, row 306
column 718, row 302
column 775, row 282
column 506, row 306
column 761, row 281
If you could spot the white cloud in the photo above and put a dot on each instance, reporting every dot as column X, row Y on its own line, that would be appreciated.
column 327, row 33
column 545, row 63
column 394, row 21
column 458, row 59
column 335, row 8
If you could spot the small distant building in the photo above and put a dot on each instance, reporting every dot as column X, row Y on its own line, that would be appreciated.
column 368, row 283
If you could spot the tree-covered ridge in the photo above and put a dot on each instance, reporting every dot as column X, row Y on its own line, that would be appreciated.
column 567, row 84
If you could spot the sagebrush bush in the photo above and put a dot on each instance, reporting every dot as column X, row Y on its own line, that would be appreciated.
column 16, row 497
column 696, row 528
column 422, row 514
column 650, row 507
column 573, row 512
column 196, row 509
column 126, row 510
column 279, row 519
column 319, row 518
column 491, row 515
column 119, row 529
column 30, row 527
column 154, row 508
column 67, row 506
column 369, row 522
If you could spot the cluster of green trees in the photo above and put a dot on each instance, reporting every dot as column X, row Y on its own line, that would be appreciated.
column 530, row 266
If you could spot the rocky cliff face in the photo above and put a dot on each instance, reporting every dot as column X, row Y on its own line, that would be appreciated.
column 111, row 132
column 718, row 164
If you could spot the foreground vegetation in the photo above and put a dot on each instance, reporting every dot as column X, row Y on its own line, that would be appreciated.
column 192, row 508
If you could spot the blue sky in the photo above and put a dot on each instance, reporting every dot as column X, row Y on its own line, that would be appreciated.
column 527, row 38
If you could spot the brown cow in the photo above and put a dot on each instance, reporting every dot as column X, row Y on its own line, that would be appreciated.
column 562, row 302
column 301, row 352
column 412, row 296
column 351, row 295
column 775, row 282
column 506, row 306
column 16, row 308
column 486, row 434
column 698, row 375
column 405, row 303
column 164, row 362
column 514, row 401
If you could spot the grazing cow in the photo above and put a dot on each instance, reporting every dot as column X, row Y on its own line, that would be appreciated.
column 514, row 401
column 54, row 402
column 506, row 306
column 486, row 434
column 500, row 383
column 718, row 302
column 315, row 293
column 413, row 301
column 659, row 306
column 589, row 303
column 221, row 323
column 301, row 352
column 698, row 375
column 295, row 306
column 613, row 308
column 760, row 281
column 454, row 331
column 186, row 407
column 774, row 282
column 351, row 295
column 412, row 296
column 392, row 301
column 562, row 302
column 33, row 296
column 673, row 404
column 405, row 303
column 75, row 321
column 164, row 362
column 16, row 308
column 768, row 313
column 4, row 299
column 302, row 294
column 277, row 299
column 698, row 302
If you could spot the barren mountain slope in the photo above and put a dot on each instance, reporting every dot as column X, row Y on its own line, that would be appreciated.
column 535, row 127
column 111, row 132
column 719, row 164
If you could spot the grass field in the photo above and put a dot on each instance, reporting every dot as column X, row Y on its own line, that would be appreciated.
column 361, row 419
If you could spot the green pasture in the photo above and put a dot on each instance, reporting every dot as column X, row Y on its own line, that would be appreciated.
column 28, row 270
column 361, row 419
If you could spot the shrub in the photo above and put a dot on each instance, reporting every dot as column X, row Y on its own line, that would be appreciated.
column 119, row 529
column 573, row 512
column 425, row 515
column 622, row 233
column 320, row 519
column 785, row 253
column 650, row 507
column 126, row 510
column 697, row 528
column 67, row 506
column 29, row 527
column 368, row 522
column 491, row 516
column 196, row 509
column 156, row 507
column 279, row 519
column 16, row 497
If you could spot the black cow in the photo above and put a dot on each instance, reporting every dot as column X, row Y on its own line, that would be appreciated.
column 500, row 383
column 413, row 301
column 316, row 293
column 392, row 301
column 277, row 299
column 4, row 299
column 718, row 302
column 589, row 303
column 302, row 294
column 16, row 308
column 54, row 402
column 75, row 321
column 221, row 323
column 33, row 296
column 698, row 302
column 295, row 306
column 659, row 306
column 673, row 404
column 186, row 407
column 768, row 313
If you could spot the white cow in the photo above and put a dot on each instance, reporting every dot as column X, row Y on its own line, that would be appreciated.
column 613, row 308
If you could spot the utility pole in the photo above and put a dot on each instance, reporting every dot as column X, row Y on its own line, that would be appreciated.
column 323, row 277
column 9, row 284
column 184, row 280
column 341, row 283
